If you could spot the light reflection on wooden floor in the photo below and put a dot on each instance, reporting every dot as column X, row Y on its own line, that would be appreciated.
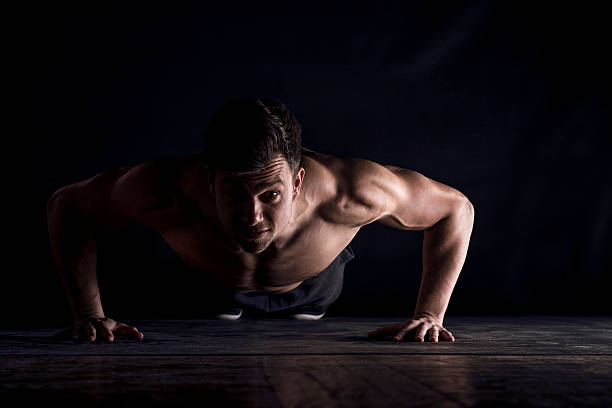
column 495, row 362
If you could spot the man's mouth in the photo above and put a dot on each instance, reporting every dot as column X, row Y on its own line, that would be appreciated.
column 253, row 233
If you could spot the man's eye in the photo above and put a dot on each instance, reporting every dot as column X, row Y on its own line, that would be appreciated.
column 270, row 194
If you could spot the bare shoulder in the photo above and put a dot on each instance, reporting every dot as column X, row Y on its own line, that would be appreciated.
column 341, row 187
column 124, row 195
column 361, row 191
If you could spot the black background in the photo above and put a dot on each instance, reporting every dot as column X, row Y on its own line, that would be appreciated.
column 507, row 103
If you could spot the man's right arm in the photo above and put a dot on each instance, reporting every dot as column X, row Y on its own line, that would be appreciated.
column 75, row 214
column 74, row 249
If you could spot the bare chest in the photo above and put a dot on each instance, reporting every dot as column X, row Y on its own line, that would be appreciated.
column 315, row 245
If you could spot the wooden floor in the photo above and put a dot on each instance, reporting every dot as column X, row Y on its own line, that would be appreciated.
column 495, row 362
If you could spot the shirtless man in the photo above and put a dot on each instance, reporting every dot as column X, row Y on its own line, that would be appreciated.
column 269, row 220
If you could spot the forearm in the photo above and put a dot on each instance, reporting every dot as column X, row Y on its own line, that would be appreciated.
column 75, row 253
column 81, row 284
column 445, row 248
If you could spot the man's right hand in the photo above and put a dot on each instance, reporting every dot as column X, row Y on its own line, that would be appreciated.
column 103, row 329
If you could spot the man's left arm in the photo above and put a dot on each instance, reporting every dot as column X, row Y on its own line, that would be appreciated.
column 445, row 248
column 408, row 200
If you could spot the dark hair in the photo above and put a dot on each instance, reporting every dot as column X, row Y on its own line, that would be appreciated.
column 245, row 133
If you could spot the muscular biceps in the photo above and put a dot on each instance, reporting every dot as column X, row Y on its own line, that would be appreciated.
column 399, row 198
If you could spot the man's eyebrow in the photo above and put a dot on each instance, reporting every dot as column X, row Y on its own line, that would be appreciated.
column 270, row 183
column 261, row 186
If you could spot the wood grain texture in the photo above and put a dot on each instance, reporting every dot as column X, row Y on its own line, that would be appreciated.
column 496, row 362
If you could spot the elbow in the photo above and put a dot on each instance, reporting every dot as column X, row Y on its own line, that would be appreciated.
column 465, row 209
column 57, row 199
column 52, row 203
column 468, row 210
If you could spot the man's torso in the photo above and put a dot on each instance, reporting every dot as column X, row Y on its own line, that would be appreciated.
column 187, row 220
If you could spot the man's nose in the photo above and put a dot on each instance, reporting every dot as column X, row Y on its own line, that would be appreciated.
column 252, row 213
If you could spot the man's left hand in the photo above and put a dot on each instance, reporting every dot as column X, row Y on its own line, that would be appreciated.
column 420, row 329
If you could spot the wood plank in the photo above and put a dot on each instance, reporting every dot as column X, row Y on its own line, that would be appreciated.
column 292, row 381
column 515, row 380
column 511, row 336
column 216, row 380
column 338, row 384
column 563, row 361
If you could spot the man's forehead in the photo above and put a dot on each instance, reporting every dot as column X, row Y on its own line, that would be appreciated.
column 276, row 171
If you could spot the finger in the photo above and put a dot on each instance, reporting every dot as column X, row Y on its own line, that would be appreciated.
column 77, row 333
column 402, row 333
column 80, row 332
column 385, row 331
column 91, row 332
column 129, row 331
column 433, row 334
column 104, row 332
column 420, row 333
column 109, row 323
column 446, row 335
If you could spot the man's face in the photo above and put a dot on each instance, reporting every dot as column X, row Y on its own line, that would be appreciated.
column 255, row 208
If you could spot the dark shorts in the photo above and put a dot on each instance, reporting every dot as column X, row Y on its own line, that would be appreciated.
column 320, row 291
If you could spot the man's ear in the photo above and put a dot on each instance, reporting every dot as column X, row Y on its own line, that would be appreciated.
column 297, row 183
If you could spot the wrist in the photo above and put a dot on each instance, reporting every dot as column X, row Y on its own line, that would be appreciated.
column 84, row 316
column 428, row 315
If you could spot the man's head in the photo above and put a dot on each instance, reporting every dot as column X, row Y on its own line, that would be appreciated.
column 245, row 133
column 253, row 153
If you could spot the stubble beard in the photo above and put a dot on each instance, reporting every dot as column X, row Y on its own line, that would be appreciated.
column 255, row 245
